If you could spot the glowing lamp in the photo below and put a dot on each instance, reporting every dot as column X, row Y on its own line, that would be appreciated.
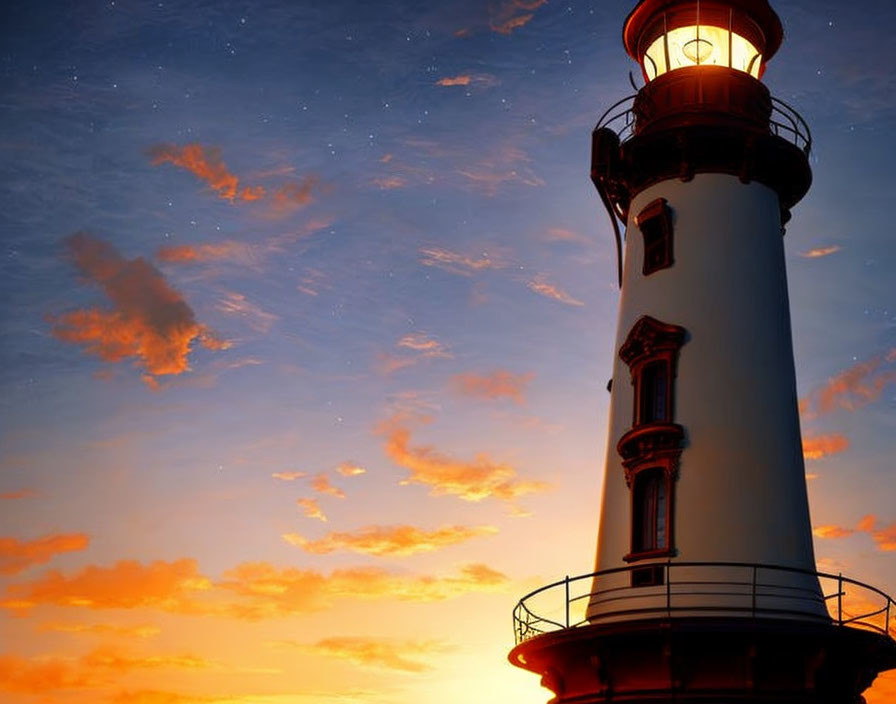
column 738, row 34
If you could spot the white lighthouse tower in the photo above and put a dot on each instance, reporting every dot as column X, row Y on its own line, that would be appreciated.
column 705, row 587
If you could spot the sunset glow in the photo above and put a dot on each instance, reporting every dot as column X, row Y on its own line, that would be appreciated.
column 308, row 324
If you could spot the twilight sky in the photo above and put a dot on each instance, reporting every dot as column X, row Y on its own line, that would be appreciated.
column 308, row 313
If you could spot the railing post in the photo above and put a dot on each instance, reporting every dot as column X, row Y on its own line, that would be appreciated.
column 567, row 601
column 840, row 599
column 887, row 620
column 668, row 589
column 753, row 592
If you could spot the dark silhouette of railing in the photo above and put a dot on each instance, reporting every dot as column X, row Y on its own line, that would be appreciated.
column 784, row 122
column 873, row 610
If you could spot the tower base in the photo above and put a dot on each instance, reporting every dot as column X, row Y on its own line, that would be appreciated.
column 708, row 661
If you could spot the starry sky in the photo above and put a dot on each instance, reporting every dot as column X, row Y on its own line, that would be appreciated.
column 307, row 318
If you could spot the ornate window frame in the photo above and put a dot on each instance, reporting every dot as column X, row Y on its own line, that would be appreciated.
column 655, row 444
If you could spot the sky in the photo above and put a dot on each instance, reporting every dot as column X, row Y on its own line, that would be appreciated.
column 308, row 314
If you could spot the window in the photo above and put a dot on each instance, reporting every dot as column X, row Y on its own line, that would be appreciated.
column 651, row 448
column 650, row 511
column 655, row 223
column 653, row 393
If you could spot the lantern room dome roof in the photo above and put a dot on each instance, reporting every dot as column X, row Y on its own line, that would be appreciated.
column 759, row 11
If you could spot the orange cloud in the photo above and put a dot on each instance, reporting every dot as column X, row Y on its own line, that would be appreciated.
column 38, row 676
column 311, row 509
column 248, row 591
column 292, row 196
column 417, row 346
column 111, row 660
column 150, row 321
column 190, row 254
column 321, row 484
column 288, row 476
column 884, row 537
column 425, row 345
column 103, row 629
column 457, row 263
column 497, row 384
column 509, row 15
column 852, row 388
column 831, row 531
column 376, row 652
column 462, row 80
column 125, row 585
column 389, row 540
column 205, row 163
column 540, row 286
column 350, row 469
column 16, row 555
column 475, row 480
column 820, row 252
column 19, row 494
column 269, row 592
column 815, row 448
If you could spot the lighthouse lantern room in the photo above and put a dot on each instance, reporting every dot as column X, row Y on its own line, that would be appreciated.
column 705, row 587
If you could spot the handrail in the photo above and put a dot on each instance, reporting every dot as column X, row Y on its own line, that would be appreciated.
column 784, row 122
column 528, row 623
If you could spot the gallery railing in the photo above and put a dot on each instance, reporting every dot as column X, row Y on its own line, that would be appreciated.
column 785, row 122
column 562, row 604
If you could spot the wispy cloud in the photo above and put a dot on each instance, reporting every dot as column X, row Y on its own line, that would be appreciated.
column 831, row 531
column 884, row 537
column 254, row 315
column 311, row 508
column 43, row 675
column 473, row 480
column 542, row 287
column 509, row 15
column 18, row 555
column 482, row 80
column 125, row 585
column 497, row 384
column 321, row 484
column 18, row 494
column 149, row 322
column 819, row 446
column 856, row 386
column 288, row 476
column 103, row 629
column 404, row 656
column 456, row 263
column 820, row 252
column 350, row 469
column 389, row 540
column 227, row 250
column 562, row 234
column 206, row 164
column 251, row 590
column 413, row 347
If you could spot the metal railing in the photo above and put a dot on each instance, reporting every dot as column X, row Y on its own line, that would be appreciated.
column 785, row 122
column 841, row 601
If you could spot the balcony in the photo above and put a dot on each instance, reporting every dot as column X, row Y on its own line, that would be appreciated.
column 757, row 592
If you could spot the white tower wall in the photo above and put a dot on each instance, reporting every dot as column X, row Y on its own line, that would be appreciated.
column 740, row 494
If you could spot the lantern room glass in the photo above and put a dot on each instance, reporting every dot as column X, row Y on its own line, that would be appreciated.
column 700, row 45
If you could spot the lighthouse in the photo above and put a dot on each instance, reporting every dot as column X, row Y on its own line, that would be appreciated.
column 705, row 586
